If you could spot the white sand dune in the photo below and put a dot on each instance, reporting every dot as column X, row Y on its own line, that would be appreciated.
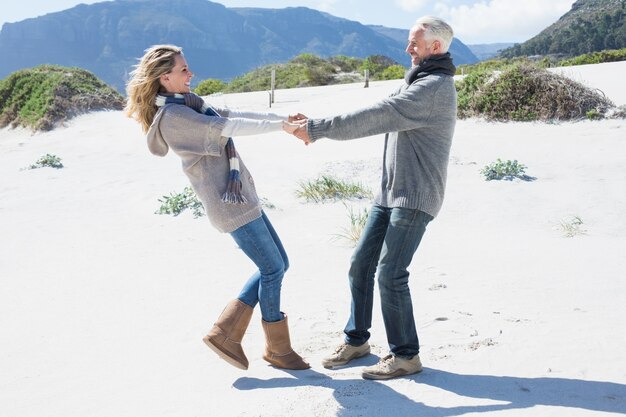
column 103, row 304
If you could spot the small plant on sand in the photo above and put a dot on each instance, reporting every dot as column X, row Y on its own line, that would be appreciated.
column 352, row 233
column 175, row 203
column 47, row 160
column 507, row 170
column 571, row 226
column 593, row 114
column 329, row 188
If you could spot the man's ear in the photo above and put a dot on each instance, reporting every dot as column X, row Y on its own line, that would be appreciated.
column 437, row 48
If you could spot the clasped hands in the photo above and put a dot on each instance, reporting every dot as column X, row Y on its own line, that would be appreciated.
column 296, row 125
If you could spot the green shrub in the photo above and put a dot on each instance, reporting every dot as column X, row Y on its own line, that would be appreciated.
column 287, row 76
column 612, row 55
column 376, row 64
column 345, row 63
column 175, row 203
column 501, row 64
column 491, row 65
column 306, row 70
column 525, row 92
column 48, row 160
column 506, row 170
column 209, row 86
column 320, row 74
column 508, row 98
column 43, row 96
column 467, row 89
column 301, row 71
column 393, row 72
column 329, row 188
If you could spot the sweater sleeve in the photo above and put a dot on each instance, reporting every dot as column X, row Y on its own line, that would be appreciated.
column 245, row 127
column 187, row 131
column 256, row 115
column 409, row 109
column 225, row 112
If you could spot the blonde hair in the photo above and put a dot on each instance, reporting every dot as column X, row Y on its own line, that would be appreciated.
column 435, row 29
column 144, row 83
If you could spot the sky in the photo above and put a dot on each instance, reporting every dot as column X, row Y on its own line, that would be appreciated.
column 474, row 21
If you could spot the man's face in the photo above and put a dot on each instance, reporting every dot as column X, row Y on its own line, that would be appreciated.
column 418, row 47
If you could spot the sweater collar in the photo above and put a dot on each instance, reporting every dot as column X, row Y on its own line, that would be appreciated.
column 435, row 64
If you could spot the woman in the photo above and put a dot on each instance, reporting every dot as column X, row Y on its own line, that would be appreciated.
column 160, row 99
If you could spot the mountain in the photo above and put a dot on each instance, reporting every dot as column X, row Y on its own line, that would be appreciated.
column 486, row 51
column 591, row 25
column 107, row 38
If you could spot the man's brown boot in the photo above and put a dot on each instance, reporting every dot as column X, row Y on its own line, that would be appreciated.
column 278, row 349
column 225, row 336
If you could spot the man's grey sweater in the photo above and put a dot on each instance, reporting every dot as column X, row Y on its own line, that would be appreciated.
column 419, row 121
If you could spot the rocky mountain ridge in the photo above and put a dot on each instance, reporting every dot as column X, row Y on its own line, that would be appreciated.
column 108, row 37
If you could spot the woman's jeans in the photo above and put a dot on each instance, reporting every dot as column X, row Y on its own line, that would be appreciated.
column 259, row 241
column 387, row 244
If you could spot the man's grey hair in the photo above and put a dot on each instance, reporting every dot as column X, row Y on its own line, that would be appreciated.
column 436, row 29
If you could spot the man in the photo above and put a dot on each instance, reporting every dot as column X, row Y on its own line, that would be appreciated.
column 418, row 120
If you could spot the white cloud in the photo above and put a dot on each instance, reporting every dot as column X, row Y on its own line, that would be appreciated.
column 507, row 20
column 325, row 5
column 411, row 5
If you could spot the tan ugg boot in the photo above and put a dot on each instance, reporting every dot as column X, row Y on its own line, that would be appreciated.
column 225, row 336
column 278, row 349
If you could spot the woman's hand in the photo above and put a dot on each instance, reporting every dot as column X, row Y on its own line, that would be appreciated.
column 290, row 127
column 294, row 117
column 298, row 129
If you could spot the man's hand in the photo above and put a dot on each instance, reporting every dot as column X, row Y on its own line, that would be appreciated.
column 302, row 134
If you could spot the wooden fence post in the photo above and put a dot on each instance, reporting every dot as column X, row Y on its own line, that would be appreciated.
column 273, row 85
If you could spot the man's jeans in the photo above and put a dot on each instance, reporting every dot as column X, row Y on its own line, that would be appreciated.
column 388, row 242
column 259, row 241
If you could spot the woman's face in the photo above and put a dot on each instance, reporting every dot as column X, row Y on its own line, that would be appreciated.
column 178, row 80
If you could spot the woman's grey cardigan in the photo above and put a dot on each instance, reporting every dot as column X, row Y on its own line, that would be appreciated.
column 199, row 142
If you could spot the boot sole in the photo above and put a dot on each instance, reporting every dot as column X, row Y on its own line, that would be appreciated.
column 224, row 355
column 277, row 364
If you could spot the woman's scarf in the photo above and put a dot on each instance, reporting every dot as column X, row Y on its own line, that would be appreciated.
column 233, row 193
column 435, row 64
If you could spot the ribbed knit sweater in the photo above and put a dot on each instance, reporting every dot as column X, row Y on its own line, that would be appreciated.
column 199, row 141
column 418, row 120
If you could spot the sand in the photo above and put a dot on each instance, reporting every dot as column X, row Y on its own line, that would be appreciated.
column 103, row 304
